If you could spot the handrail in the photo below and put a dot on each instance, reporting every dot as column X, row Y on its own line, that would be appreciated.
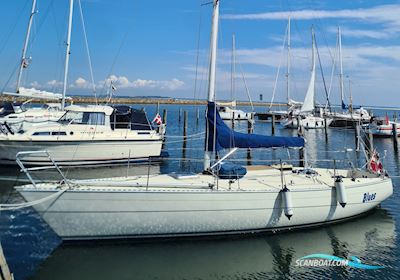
column 27, row 169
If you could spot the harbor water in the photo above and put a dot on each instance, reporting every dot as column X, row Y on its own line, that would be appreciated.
column 33, row 250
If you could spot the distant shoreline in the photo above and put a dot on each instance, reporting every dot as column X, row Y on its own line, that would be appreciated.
column 127, row 100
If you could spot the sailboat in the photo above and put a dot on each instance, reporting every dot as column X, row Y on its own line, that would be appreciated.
column 305, row 116
column 17, row 115
column 83, row 135
column 223, row 199
column 290, row 103
column 228, row 110
column 349, row 116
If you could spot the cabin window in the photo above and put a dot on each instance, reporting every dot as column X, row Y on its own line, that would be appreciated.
column 93, row 118
column 58, row 133
column 41, row 133
column 90, row 118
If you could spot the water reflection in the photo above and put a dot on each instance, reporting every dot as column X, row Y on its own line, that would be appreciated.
column 370, row 238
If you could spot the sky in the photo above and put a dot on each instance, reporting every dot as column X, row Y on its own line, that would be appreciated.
column 161, row 48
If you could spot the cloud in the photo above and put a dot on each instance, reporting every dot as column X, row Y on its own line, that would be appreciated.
column 53, row 84
column 383, row 13
column 81, row 83
column 122, row 82
column 35, row 84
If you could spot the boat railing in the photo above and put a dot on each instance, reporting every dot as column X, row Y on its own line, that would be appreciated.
column 26, row 170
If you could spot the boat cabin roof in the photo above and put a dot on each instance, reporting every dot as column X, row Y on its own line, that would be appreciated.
column 91, row 108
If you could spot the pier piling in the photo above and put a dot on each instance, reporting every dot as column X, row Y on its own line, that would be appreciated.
column 273, row 125
column 180, row 115
column 357, row 136
column 197, row 115
column 370, row 143
column 250, row 129
column 165, row 116
column 185, row 124
column 394, row 132
column 326, row 129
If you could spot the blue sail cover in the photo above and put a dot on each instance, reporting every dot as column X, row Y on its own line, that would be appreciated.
column 226, row 138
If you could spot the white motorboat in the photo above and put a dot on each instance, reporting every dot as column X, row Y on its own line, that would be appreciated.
column 17, row 117
column 382, row 127
column 232, row 113
column 86, row 135
column 23, row 117
column 306, row 121
column 221, row 200
column 349, row 118
column 306, row 114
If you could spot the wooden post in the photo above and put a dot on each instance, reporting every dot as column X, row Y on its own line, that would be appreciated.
column 394, row 132
column 165, row 116
column 185, row 123
column 197, row 115
column 370, row 143
column 233, row 120
column 300, row 133
column 180, row 115
column 357, row 136
column 300, row 128
column 302, row 154
column 250, row 129
column 326, row 129
column 273, row 125
column 5, row 273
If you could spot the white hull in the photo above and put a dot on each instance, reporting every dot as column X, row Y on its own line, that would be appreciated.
column 234, row 114
column 97, row 212
column 80, row 153
column 383, row 130
column 308, row 122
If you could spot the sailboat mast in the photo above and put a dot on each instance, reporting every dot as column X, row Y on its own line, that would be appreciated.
column 23, row 63
column 233, row 69
column 341, row 66
column 288, row 65
column 212, row 73
column 313, row 60
column 68, row 52
column 309, row 100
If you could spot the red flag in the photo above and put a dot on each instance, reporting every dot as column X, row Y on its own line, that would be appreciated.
column 387, row 120
column 157, row 119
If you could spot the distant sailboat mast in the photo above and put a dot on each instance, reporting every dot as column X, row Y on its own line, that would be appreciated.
column 68, row 52
column 341, row 68
column 233, row 69
column 212, row 74
column 24, row 61
column 288, row 65
column 309, row 103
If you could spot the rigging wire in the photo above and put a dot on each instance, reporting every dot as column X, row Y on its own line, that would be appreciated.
column 8, row 35
column 322, row 74
column 87, row 50
column 197, row 54
column 124, row 38
column 279, row 68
